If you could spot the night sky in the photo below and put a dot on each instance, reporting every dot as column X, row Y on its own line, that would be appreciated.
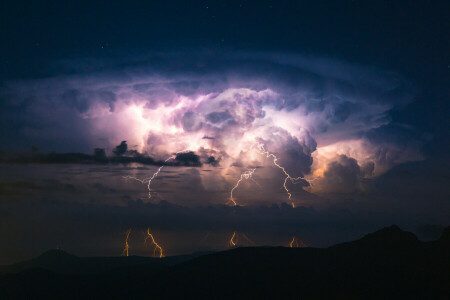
column 335, row 115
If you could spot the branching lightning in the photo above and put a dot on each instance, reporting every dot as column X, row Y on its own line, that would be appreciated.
column 148, row 180
column 127, row 246
column 246, row 175
column 296, row 243
column 293, row 243
column 157, row 246
column 233, row 242
column 294, row 180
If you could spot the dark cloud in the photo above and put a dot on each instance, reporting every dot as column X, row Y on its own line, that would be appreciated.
column 341, row 110
column 210, row 157
column 367, row 169
column 99, row 154
column 396, row 143
column 219, row 117
column 188, row 159
column 120, row 149
column 18, row 188
column 212, row 161
column 294, row 154
column 342, row 175
column 99, row 157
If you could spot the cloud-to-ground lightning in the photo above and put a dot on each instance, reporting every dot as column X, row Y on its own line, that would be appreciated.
column 296, row 243
column 148, row 180
column 127, row 246
column 157, row 246
column 293, row 243
column 248, row 239
column 294, row 180
column 235, row 237
column 232, row 242
column 246, row 175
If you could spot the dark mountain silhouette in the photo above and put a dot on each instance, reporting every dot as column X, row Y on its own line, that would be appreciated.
column 386, row 239
column 52, row 260
column 389, row 263
column 61, row 262
column 445, row 237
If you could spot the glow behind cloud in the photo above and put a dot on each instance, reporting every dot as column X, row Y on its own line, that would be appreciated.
column 308, row 112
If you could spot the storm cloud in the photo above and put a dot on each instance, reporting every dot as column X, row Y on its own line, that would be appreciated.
column 309, row 111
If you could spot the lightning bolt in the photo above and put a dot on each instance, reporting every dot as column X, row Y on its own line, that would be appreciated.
column 127, row 246
column 232, row 241
column 246, row 175
column 148, row 180
column 294, row 180
column 235, row 237
column 248, row 239
column 295, row 243
column 157, row 246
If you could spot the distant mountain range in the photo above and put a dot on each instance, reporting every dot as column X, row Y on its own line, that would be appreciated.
column 61, row 262
column 389, row 263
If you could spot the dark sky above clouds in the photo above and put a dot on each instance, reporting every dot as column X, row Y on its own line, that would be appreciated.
column 352, row 96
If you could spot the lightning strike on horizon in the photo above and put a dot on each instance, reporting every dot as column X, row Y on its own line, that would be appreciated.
column 295, row 243
column 157, row 246
column 291, row 244
column 148, row 180
column 127, row 246
column 232, row 242
column 235, row 237
column 246, row 175
column 294, row 180
column 248, row 239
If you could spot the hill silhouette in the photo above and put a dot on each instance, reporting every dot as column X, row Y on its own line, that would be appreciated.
column 389, row 263
column 445, row 237
column 62, row 262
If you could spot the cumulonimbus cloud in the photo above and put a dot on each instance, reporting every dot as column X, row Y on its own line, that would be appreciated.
column 310, row 112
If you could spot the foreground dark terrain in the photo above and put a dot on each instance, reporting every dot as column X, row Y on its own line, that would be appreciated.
column 389, row 263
